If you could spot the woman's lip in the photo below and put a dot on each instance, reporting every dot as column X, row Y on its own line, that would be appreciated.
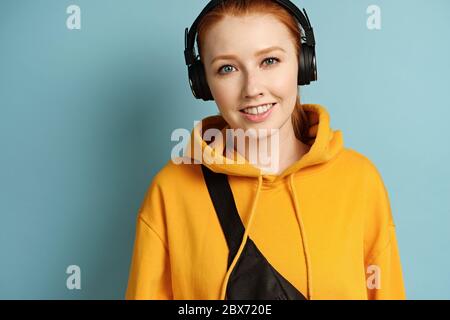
column 259, row 117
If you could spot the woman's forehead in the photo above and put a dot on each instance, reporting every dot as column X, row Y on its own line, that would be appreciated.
column 246, row 35
column 248, row 25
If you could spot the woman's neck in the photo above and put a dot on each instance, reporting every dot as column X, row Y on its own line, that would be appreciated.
column 283, row 149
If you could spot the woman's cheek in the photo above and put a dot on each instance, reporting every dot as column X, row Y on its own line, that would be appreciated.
column 225, row 94
column 286, row 80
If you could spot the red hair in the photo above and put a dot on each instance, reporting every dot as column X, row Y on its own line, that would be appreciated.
column 240, row 8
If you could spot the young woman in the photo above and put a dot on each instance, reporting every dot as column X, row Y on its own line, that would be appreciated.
column 313, row 222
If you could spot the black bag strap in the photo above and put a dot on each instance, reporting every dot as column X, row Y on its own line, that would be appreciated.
column 265, row 282
column 223, row 200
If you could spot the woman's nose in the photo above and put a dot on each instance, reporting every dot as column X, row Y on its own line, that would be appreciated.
column 251, row 88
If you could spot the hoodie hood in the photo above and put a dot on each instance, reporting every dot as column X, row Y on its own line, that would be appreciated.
column 326, row 145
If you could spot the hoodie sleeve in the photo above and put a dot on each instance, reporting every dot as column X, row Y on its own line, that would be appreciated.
column 384, row 279
column 149, row 276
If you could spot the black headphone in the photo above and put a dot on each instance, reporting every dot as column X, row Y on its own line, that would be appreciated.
column 307, row 68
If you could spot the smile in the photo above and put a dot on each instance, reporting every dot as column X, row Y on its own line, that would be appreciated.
column 258, row 114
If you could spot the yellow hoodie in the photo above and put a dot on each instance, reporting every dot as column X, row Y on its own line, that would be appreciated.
column 324, row 223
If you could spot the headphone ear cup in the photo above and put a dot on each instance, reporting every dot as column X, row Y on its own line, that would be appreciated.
column 303, row 66
column 199, row 85
column 307, row 66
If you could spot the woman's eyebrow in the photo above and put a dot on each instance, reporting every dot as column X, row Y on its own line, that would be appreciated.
column 259, row 53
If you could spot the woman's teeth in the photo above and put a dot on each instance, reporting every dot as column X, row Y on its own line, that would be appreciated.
column 258, row 110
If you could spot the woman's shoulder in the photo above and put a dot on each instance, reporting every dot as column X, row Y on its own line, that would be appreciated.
column 357, row 161
column 178, row 172
column 353, row 157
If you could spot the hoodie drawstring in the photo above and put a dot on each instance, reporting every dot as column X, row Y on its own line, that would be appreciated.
column 244, row 240
column 302, row 232
column 247, row 230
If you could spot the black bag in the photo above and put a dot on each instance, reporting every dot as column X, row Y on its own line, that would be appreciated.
column 252, row 277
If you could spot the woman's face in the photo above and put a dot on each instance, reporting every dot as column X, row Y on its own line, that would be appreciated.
column 249, row 78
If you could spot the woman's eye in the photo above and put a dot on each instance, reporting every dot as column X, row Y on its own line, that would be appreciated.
column 273, row 59
column 223, row 68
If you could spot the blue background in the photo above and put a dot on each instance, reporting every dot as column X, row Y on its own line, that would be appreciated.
column 86, row 117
